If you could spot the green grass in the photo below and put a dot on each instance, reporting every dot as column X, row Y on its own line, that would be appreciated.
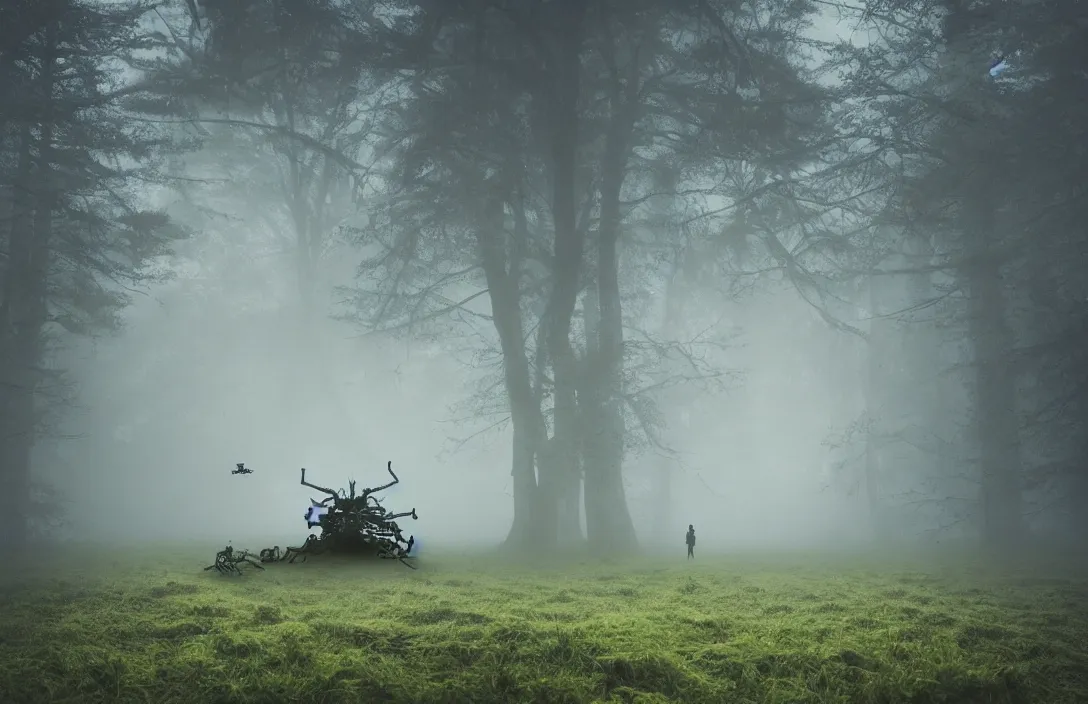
column 740, row 629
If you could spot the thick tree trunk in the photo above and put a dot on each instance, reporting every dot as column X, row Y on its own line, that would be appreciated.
column 566, row 482
column 562, row 462
column 608, row 521
column 24, row 313
column 545, row 464
column 996, row 419
column 609, row 527
column 14, row 462
column 570, row 507
column 568, row 249
column 14, row 521
column 17, row 423
column 534, row 520
column 523, row 530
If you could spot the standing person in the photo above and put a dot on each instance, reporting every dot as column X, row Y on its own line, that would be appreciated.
column 690, row 540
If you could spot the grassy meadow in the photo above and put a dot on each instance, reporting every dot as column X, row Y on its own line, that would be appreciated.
column 153, row 627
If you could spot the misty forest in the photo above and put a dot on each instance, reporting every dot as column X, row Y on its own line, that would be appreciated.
column 577, row 275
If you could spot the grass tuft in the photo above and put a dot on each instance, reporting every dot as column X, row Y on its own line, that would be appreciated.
column 722, row 630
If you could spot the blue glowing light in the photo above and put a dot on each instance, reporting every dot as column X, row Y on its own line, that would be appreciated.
column 314, row 513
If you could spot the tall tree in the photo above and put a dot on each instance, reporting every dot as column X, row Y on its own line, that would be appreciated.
column 570, row 98
column 462, row 218
column 76, row 234
column 971, row 149
column 961, row 147
column 1049, row 128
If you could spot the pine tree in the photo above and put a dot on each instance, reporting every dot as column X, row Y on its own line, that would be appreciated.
column 76, row 234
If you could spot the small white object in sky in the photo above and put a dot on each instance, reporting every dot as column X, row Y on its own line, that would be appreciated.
column 999, row 65
column 314, row 514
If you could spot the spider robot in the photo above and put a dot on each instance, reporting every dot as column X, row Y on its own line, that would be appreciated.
column 228, row 562
column 274, row 554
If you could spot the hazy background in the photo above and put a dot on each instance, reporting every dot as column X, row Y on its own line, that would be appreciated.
column 755, row 468
column 842, row 397
column 206, row 352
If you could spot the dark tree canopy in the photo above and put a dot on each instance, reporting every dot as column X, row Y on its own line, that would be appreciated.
column 569, row 192
column 77, row 233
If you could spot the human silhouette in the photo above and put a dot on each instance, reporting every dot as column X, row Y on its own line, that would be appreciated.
column 690, row 540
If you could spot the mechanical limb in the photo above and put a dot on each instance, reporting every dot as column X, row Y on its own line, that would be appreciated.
column 245, row 557
column 271, row 554
column 222, row 563
column 394, row 516
column 291, row 554
column 392, row 551
column 383, row 487
column 331, row 494
column 227, row 561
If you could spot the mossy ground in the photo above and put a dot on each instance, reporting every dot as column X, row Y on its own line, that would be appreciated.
column 722, row 629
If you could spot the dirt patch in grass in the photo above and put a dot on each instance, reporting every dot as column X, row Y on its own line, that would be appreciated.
column 640, row 632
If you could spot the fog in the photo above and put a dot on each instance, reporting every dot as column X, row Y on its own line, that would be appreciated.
column 753, row 468
column 218, row 350
column 789, row 342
